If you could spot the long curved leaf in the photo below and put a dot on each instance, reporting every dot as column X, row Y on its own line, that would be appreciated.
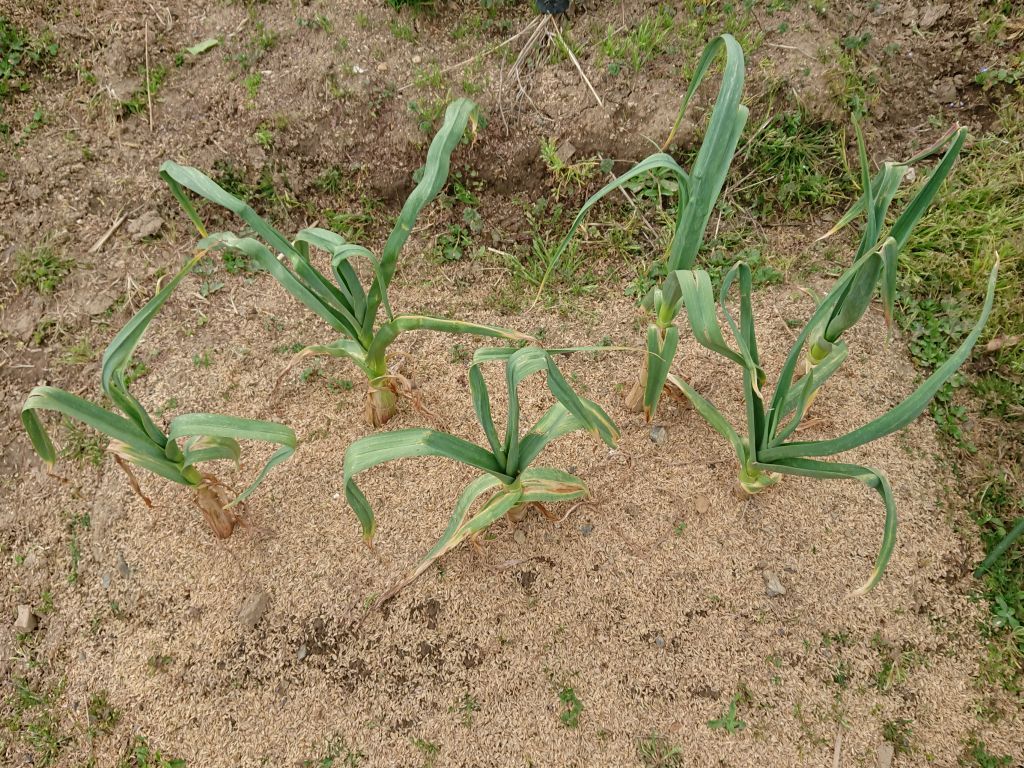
column 902, row 414
column 235, row 428
column 869, row 477
column 457, row 116
column 376, row 449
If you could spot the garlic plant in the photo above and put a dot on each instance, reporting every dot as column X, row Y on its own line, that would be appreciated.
column 509, row 483
column 766, row 450
column 344, row 304
column 136, row 439
column 698, row 193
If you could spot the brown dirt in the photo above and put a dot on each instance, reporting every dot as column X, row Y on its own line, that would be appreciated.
column 654, row 629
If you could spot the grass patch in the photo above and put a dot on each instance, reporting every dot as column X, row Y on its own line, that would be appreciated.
column 980, row 213
column 793, row 166
column 41, row 267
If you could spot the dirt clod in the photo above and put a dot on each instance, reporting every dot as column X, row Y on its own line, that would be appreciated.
column 26, row 621
column 772, row 585
column 146, row 225
column 883, row 757
column 253, row 608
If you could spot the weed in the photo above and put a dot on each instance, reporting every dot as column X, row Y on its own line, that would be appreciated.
column 430, row 751
column 793, row 166
column 138, row 102
column 252, row 84
column 77, row 524
column 978, row 756
column 142, row 755
column 337, row 754
column 103, row 718
column 898, row 732
column 656, row 751
column 81, row 444
column 41, row 267
column 20, row 54
column 567, row 175
column 79, row 353
column 467, row 706
column 729, row 721
column 31, row 722
column 640, row 44
column 570, row 717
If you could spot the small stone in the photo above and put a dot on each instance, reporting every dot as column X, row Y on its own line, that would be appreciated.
column 300, row 654
column 883, row 757
column 945, row 90
column 417, row 59
column 772, row 586
column 253, row 608
column 701, row 505
column 659, row 641
column 931, row 15
column 586, row 529
column 659, row 434
column 519, row 536
column 26, row 621
column 382, row 67
column 122, row 566
column 105, row 580
column 147, row 225
column 565, row 151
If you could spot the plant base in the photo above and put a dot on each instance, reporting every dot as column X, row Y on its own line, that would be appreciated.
column 212, row 500
column 381, row 405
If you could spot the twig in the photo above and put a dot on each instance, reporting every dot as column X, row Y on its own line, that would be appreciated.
column 838, row 751
column 473, row 58
column 149, row 91
column 106, row 235
column 572, row 57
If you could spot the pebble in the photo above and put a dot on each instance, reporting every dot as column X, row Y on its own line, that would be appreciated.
column 659, row 434
column 382, row 67
column 301, row 653
column 701, row 505
column 417, row 59
column 122, row 566
column 884, row 755
column 659, row 641
column 772, row 586
column 519, row 536
column 26, row 621
column 586, row 529
column 253, row 608
column 146, row 225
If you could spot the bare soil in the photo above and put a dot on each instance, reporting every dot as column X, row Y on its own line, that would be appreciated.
column 648, row 602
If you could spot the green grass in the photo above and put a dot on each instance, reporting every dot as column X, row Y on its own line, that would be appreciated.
column 143, row 755
column 641, row 43
column 572, row 707
column 337, row 754
column 20, row 56
column 138, row 102
column 30, row 726
column 656, row 751
column 979, row 213
column 793, row 166
column 41, row 267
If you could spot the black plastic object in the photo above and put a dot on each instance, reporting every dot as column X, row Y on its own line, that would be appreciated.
column 552, row 6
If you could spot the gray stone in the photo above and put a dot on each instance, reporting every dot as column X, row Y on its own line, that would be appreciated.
column 26, row 621
column 931, row 15
column 122, row 566
column 147, row 225
column 253, row 608
column 586, row 529
column 772, row 586
column 519, row 536
column 659, row 434
column 945, row 90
